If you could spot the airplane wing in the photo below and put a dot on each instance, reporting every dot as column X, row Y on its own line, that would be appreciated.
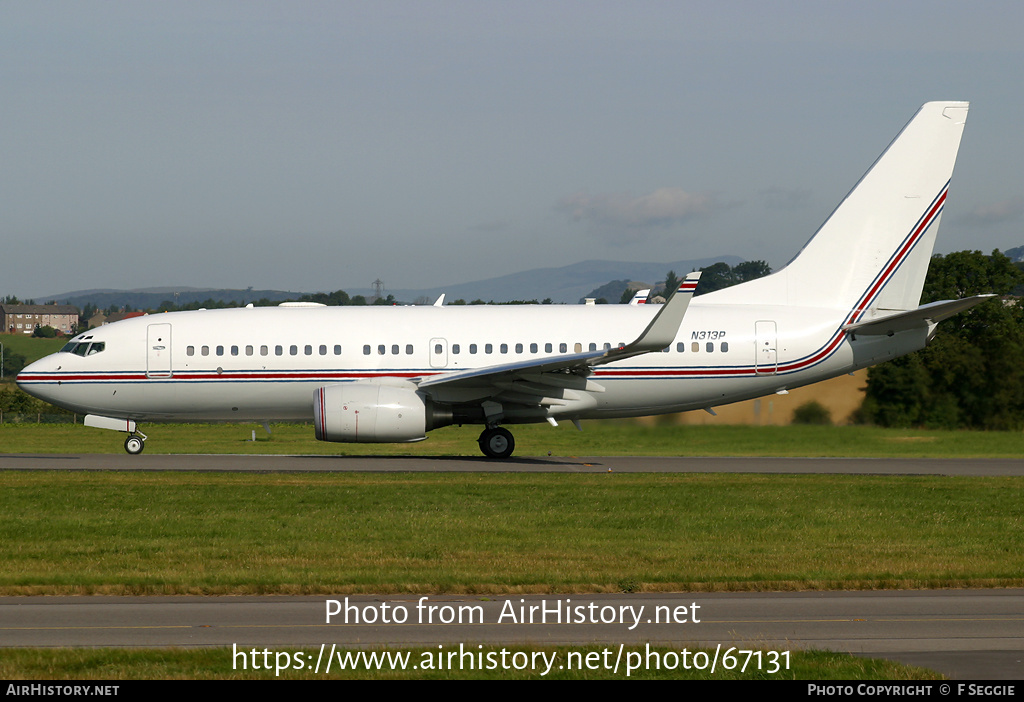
column 932, row 313
column 570, row 371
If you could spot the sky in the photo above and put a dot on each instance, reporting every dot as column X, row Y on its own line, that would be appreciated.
column 310, row 146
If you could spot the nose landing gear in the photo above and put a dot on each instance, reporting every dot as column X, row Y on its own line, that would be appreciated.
column 134, row 444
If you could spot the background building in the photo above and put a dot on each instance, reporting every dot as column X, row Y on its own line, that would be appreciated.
column 22, row 319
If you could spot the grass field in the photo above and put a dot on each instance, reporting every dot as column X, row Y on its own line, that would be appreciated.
column 598, row 438
column 163, row 533
column 185, row 533
column 30, row 347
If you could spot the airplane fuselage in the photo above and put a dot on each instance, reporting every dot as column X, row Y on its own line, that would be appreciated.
column 264, row 364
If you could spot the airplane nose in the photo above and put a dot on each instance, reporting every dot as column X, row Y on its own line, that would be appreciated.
column 32, row 379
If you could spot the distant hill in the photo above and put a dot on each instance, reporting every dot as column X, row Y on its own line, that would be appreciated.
column 152, row 298
column 1015, row 254
column 566, row 284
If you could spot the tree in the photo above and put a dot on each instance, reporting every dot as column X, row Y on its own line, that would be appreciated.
column 750, row 270
column 338, row 297
column 970, row 375
column 714, row 277
column 671, row 284
column 13, row 363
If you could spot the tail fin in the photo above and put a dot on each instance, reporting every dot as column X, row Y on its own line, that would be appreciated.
column 872, row 253
column 641, row 297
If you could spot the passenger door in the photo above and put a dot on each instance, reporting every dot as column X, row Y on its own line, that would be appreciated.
column 158, row 351
column 766, row 357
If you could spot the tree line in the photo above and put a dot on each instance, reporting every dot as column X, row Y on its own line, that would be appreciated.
column 971, row 375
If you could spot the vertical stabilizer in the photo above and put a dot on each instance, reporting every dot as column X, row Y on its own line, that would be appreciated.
column 872, row 253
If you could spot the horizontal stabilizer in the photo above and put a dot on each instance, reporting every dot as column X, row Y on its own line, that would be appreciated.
column 924, row 315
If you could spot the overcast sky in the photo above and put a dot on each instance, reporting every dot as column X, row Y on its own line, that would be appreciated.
column 320, row 145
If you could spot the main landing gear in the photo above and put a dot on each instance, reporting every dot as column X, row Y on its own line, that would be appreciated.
column 497, row 442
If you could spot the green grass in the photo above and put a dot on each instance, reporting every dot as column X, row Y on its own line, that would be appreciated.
column 598, row 438
column 177, row 533
column 124, row 533
column 217, row 664
column 30, row 347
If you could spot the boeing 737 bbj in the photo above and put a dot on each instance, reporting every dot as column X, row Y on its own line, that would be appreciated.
column 850, row 299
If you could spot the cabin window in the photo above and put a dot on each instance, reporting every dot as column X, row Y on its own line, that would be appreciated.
column 578, row 347
column 504, row 348
column 366, row 350
column 563, row 347
column 547, row 347
column 381, row 349
column 592, row 347
column 710, row 347
column 725, row 346
column 607, row 346
column 220, row 350
column 455, row 348
column 438, row 349
column 205, row 351
column 695, row 347
column 96, row 347
column 248, row 350
column 234, row 350
column 394, row 349
column 488, row 348
column 408, row 349
column 337, row 349
column 472, row 348
column 323, row 349
column 308, row 349
column 190, row 350
column 533, row 348
column 519, row 348
column 293, row 350
column 680, row 347
column 279, row 350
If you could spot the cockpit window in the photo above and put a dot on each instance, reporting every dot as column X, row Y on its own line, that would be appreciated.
column 84, row 348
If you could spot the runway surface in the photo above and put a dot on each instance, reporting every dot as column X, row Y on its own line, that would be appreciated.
column 962, row 633
column 966, row 634
column 591, row 464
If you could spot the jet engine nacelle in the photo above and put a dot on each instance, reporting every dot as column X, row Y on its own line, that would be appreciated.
column 374, row 412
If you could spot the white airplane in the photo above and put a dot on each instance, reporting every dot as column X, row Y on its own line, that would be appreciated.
column 641, row 297
column 849, row 299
